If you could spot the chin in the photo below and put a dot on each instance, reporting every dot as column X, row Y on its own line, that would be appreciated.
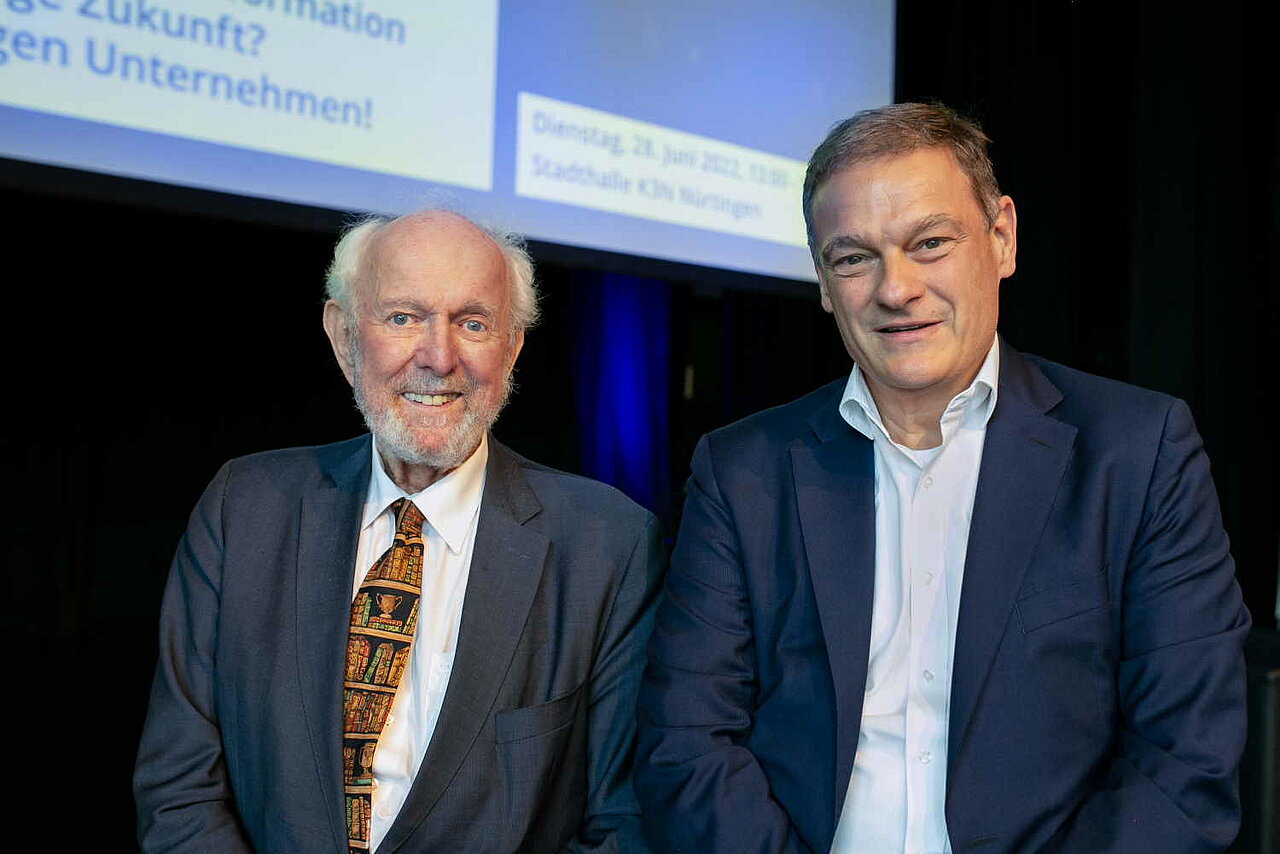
column 440, row 442
column 447, row 454
column 916, row 382
column 443, row 441
column 917, row 374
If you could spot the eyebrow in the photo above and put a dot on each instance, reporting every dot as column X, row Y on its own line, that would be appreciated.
column 935, row 220
column 400, row 302
column 855, row 240
column 408, row 303
column 476, row 307
column 843, row 241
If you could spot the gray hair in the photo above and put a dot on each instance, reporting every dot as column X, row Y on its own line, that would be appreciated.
column 350, row 260
column 900, row 129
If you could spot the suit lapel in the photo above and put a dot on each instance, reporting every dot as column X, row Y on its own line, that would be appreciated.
column 506, row 567
column 1023, row 460
column 328, row 533
column 835, row 496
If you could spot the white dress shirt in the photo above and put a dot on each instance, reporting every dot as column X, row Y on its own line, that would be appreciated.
column 924, row 502
column 451, row 506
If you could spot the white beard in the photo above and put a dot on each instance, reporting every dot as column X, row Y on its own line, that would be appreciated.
column 396, row 438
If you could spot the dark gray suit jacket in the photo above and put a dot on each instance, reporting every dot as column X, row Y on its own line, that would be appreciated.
column 532, row 750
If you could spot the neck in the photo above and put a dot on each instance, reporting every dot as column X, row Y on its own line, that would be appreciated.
column 411, row 477
column 415, row 477
column 913, row 417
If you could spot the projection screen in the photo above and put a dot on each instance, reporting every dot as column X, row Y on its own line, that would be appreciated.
column 668, row 130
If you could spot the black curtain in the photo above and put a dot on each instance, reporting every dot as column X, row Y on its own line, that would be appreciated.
column 1141, row 147
column 152, row 336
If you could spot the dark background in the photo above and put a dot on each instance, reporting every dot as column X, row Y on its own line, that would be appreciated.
column 154, row 332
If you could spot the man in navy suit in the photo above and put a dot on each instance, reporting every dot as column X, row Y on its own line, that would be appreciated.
column 508, row 722
column 965, row 600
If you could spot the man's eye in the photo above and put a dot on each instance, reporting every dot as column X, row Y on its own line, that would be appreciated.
column 399, row 319
column 847, row 261
column 930, row 243
column 476, row 326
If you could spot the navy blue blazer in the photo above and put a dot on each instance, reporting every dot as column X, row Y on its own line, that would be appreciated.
column 532, row 750
column 1097, row 699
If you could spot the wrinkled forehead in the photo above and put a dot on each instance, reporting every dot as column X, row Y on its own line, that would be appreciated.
column 923, row 177
column 435, row 253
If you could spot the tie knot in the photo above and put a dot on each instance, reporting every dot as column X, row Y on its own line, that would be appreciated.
column 409, row 518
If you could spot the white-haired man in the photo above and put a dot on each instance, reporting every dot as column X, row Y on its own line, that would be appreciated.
column 416, row 639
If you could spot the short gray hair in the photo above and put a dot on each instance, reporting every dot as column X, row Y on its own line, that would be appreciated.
column 350, row 260
column 900, row 129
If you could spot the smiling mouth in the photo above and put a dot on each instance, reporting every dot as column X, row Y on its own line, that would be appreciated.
column 432, row 399
column 893, row 330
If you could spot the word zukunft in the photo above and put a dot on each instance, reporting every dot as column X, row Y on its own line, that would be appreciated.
column 223, row 32
column 106, row 60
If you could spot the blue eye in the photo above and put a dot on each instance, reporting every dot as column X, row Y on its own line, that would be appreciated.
column 932, row 243
column 398, row 319
column 475, row 326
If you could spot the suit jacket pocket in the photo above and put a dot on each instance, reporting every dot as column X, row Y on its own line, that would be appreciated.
column 532, row 721
column 1068, row 599
column 541, row 753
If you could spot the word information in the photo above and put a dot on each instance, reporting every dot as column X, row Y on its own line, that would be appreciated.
column 580, row 156
column 375, row 85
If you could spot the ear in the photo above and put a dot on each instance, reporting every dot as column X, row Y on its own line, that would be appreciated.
column 513, row 351
column 335, row 326
column 1004, row 230
column 823, row 295
column 822, row 283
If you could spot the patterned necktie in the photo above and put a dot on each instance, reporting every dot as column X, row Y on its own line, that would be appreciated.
column 383, row 617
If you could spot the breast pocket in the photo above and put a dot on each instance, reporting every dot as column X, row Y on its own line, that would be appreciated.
column 542, row 771
column 1062, row 601
column 533, row 721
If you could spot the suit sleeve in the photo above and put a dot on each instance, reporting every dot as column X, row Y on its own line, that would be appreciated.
column 612, row 820
column 701, row 790
column 1172, row 784
column 180, row 783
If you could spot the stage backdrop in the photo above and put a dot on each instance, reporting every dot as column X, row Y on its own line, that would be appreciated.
column 673, row 130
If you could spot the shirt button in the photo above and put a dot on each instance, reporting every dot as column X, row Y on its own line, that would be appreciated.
column 926, row 757
column 928, row 578
column 928, row 675
column 928, row 481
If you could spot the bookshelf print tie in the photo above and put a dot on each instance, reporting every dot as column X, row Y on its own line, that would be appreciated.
column 383, row 618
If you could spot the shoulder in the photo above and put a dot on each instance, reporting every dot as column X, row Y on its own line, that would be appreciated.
column 595, row 531
column 290, row 469
column 564, row 496
column 765, row 431
column 1101, row 391
column 750, row 456
column 1097, row 404
column 1114, row 423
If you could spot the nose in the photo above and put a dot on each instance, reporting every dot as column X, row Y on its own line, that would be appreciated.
column 900, row 282
column 435, row 349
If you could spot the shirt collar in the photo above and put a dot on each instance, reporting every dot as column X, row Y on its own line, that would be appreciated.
column 449, row 504
column 858, row 407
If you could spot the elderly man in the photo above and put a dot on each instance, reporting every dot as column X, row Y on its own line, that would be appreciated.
column 410, row 641
column 967, row 599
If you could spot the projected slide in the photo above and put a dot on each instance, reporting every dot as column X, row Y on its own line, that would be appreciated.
column 345, row 83
column 675, row 130
column 566, row 153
